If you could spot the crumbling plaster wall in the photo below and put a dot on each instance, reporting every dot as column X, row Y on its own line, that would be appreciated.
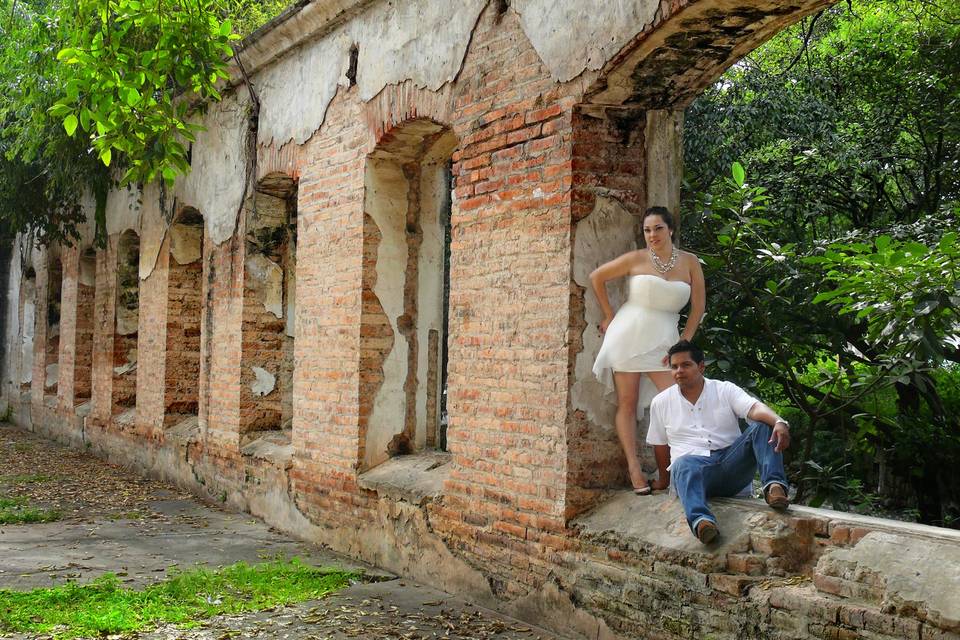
column 424, row 41
column 386, row 205
column 13, row 310
column 27, row 322
column 263, row 379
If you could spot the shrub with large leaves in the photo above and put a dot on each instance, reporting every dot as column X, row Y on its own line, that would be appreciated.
column 136, row 66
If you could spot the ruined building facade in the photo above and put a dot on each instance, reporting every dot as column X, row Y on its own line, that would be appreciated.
column 375, row 333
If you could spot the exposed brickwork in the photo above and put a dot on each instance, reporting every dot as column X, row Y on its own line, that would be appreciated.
column 327, row 351
column 608, row 160
column 67, row 328
column 221, row 349
column 510, row 262
column 151, row 346
column 102, row 375
column 181, row 397
column 83, row 361
column 265, row 343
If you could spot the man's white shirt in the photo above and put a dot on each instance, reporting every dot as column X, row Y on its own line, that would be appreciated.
column 697, row 429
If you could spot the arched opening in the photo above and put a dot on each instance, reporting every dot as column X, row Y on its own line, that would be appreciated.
column 628, row 155
column 266, row 378
column 83, row 337
column 124, row 395
column 52, row 344
column 28, row 327
column 405, row 287
column 184, row 297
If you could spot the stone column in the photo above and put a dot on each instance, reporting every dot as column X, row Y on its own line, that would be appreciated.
column 104, row 326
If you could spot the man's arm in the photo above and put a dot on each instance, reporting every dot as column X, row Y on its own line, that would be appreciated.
column 662, row 453
column 780, row 438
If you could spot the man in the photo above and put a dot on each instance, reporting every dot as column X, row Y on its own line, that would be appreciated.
column 694, row 426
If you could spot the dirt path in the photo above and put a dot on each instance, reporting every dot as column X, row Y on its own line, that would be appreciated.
column 115, row 521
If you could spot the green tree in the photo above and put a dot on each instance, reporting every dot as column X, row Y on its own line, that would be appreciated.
column 102, row 92
column 850, row 117
column 834, row 289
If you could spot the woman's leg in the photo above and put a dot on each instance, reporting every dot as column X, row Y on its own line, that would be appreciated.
column 628, row 392
column 661, row 379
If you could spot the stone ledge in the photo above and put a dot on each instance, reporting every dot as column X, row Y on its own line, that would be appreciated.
column 416, row 478
column 275, row 447
column 886, row 573
column 184, row 432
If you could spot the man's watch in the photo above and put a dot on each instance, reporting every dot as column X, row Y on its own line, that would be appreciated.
column 783, row 422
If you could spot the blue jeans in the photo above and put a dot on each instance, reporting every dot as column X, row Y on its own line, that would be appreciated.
column 726, row 471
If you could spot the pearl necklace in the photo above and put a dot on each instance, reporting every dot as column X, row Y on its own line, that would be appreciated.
column 662, row 266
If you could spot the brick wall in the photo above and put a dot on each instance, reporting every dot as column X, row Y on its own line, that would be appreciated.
column 265, row 343
column 608, row 160
column 151, row 344
column 509, row 294
column 182, row 380
column 221, row 351
column 83, row 362
column 102, row 375
column 327, row 349
column 66, row 342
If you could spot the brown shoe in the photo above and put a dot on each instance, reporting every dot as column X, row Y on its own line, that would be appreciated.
column 707, row 532
column 776, row 497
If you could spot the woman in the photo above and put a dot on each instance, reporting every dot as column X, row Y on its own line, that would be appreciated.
column 632, row 358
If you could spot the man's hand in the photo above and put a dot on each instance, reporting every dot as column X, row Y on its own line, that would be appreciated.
column 780, row 438
column 660, row 485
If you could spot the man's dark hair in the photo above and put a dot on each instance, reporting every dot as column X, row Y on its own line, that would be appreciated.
column 685, row 346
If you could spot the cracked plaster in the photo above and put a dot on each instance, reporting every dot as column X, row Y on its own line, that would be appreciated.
column 216, row 185
column 602, row 29
column 267, row 275
column 153, row 229
column 123, row 209
column 264, row 383
column 186, row 242
column 422, row 40
column 609, row 231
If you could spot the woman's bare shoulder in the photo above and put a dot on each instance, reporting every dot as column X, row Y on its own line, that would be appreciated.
column 636, row 256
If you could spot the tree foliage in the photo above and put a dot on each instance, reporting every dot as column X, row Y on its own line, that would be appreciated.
column 834, row 286
column 101, row 92
column 851, row 120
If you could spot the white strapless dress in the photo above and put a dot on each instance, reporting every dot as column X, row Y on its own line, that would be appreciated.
column 642, row 331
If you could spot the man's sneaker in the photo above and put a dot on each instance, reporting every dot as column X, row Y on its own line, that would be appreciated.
column 776, row 497
column 707, row 532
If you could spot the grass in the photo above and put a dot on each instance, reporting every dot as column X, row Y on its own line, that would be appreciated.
column 105, row 607
column 25, row 478
column 17, row 511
